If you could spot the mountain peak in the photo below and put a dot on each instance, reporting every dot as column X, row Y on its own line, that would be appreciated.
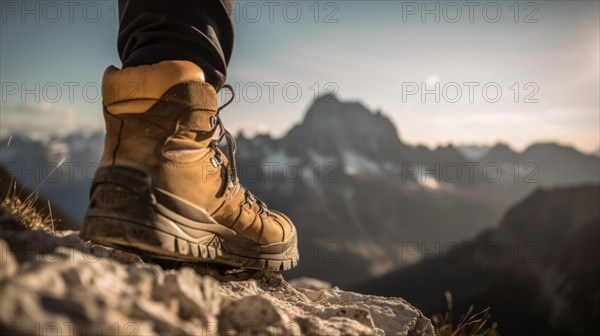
column 549, row 149
column 501, row 152
column 346, row 116
column 328, row 97
column 331, row 126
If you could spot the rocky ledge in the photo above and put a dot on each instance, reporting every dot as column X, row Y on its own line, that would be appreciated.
column 55, row 284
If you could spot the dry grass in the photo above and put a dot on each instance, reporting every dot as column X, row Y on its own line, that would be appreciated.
column 469, row 324
column 26, row 210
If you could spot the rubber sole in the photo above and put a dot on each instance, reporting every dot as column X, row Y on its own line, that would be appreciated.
column 124, row 213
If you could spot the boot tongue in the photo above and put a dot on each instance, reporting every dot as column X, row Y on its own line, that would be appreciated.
column 193, row 120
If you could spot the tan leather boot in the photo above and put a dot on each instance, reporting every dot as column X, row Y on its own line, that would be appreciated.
column 165, row 189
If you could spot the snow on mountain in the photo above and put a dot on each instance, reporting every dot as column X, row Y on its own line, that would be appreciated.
column 473, row 152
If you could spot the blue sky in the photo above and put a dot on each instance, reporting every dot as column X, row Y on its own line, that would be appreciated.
column 382, row 53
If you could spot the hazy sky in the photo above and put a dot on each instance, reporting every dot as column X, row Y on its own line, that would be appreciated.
column 382, row 53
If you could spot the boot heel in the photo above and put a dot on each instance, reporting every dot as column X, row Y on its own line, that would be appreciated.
column 121, row 208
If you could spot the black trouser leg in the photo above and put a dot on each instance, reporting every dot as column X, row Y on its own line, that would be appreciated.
column 200, row 31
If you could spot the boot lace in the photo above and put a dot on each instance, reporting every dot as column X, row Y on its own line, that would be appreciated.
column 232, row 173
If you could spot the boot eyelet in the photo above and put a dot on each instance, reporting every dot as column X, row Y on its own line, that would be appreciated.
column 214, row 162
column 213, row 121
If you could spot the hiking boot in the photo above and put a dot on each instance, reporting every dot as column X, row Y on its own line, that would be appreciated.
column 164, row 188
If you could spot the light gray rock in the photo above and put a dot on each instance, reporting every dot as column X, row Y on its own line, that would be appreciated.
column 54, row 284
column 309, row 283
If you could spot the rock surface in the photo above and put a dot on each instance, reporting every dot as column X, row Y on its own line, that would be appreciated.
column 55, row 284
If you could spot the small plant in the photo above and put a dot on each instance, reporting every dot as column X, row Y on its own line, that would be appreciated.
column 26, row 211
column 469, row 324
